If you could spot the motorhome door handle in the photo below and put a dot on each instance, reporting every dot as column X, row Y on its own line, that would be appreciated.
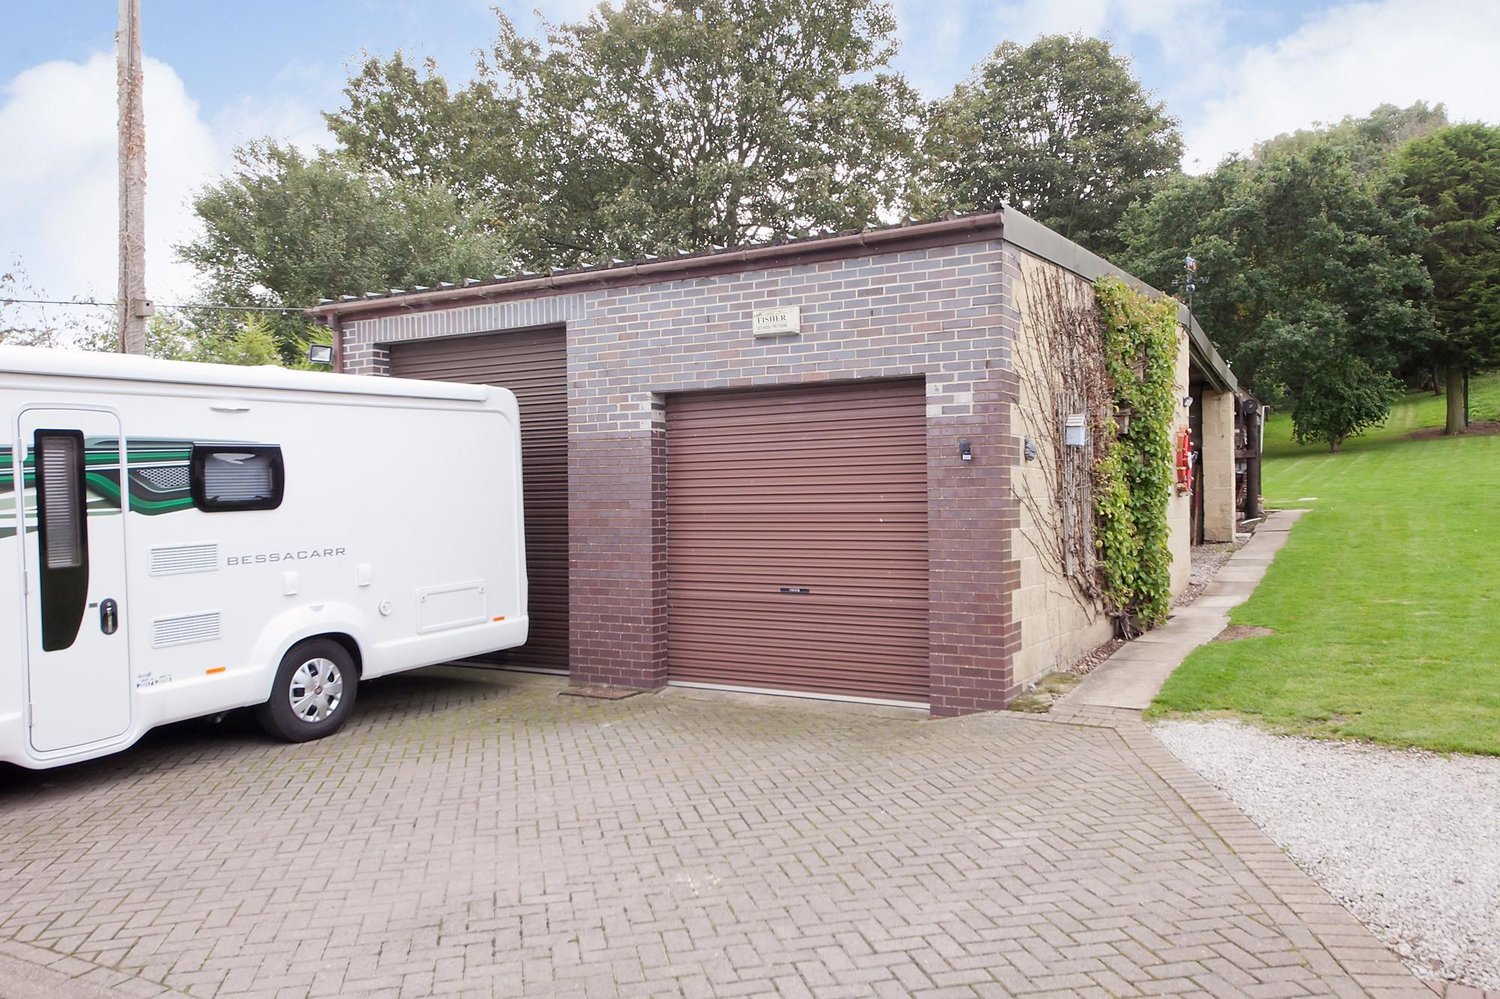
column 109, row 617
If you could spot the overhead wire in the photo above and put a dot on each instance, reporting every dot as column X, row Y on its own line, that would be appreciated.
column 187, row 307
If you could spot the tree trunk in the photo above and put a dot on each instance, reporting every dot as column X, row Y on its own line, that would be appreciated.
column 1453, row 384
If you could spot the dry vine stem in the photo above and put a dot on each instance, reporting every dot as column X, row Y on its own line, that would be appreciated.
column 1060, row 366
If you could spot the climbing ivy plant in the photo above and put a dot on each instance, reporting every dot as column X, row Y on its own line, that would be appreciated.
column 1133, row 478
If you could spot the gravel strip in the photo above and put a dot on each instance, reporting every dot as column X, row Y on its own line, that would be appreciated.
column 1408, row 840
column 1095, row 657
column 1207, row 560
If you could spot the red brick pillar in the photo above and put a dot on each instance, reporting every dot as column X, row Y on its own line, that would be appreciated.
column 972, row 513
column 617, row 602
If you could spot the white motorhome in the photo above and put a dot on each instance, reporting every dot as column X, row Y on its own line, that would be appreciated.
column 177, row 540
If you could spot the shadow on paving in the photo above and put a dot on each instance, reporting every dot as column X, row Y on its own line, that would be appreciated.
column 207, row 741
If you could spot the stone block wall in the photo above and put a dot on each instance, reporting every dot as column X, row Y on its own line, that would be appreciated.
column 1056, row 626
column 1218, row 466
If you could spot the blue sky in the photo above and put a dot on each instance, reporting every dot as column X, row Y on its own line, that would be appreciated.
column 219, row 73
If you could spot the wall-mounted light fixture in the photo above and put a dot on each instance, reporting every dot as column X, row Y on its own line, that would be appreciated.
column 320, row 353
column 1187, row 402
column 965, row 453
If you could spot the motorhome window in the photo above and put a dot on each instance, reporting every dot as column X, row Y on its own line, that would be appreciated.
column 227, row 477
column 59, row 458
column 62, row 535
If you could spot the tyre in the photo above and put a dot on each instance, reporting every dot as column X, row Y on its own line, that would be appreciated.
column 314, row 692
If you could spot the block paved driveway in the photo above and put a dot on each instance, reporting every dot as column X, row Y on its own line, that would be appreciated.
column 474, row 833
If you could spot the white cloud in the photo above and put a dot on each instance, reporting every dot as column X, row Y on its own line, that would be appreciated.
column 59, row 213
column 523, row 12
column 1346, row 61
column 933, row 37
column 286, row 119
column 1025, row 20
column 1186, row 31
column 1181, row 29
column 940, row 40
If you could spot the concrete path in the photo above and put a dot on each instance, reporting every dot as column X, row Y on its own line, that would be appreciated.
column 1132, row 676
column 473, row 833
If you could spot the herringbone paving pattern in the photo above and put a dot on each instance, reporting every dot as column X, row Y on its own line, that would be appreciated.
column 476, row 834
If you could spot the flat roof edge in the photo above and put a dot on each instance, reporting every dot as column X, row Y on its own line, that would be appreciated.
column 891, row 239
column 1031, row 236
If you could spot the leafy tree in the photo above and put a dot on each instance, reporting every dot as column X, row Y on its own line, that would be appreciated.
column 1339, row 384
column 655, row 125
column 1368, row 142
column 1455, row 174
column 1314, row 284
column 15, row 329
column 30, row 325
column 403, row 124
column 165, row 337
column 650, row 126
column 286, row 230
column 1190, row 216
column 246, row 338
column 1060, row 129
column 684, row 124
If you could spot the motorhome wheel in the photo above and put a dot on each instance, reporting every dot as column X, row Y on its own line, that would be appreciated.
column 314, row 692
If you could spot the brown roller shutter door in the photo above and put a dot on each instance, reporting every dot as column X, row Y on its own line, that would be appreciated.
column 534, row 365
column 797, row 539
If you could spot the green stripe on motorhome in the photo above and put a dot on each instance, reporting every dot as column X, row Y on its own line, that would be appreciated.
column 156, row 470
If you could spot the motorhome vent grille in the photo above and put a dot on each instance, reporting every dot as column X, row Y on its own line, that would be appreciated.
column 167, row 477
column 184, row 630
column 174, row 559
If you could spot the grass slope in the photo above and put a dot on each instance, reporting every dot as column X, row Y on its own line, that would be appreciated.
column 1386, row 600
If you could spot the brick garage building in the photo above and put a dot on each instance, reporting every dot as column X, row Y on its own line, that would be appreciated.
column 792, row 466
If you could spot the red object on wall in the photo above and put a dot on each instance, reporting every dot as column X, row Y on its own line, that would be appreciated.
column 1184, row 460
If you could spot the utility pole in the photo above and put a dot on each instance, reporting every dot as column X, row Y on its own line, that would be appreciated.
column 132, row 306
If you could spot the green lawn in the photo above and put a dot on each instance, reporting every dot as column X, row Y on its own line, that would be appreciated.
column 1386, row 600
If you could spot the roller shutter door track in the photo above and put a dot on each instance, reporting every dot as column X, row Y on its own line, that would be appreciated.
column 797, row 539
column 533, row 364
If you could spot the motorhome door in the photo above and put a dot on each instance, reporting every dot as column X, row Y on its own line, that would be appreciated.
column 77, row 648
